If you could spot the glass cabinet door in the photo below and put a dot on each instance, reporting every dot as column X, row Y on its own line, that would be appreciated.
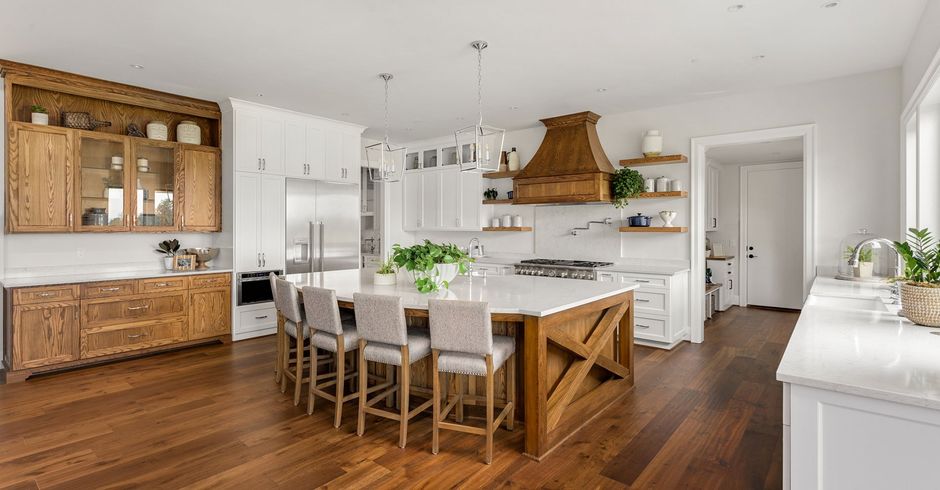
column 155, row 186
column 101, row 182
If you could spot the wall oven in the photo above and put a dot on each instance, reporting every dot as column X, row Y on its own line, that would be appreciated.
column 254, row 287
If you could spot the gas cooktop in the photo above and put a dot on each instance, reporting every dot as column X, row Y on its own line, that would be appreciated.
column 587, row 264
column 566, row 269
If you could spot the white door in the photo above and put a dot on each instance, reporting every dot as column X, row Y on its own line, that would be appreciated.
column 412, row 193
column 295, row 149
column 247, row 220
column 272, row 145
column 471, row 197
column 316, row 152
column 271, row 227
column 247, row 140
column 773, row 231
column 450, row 198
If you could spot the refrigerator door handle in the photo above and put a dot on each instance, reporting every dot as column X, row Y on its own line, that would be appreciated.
column 314, row 248
column 320, row 244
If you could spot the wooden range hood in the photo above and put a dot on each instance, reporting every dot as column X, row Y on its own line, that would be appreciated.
column 570, row 165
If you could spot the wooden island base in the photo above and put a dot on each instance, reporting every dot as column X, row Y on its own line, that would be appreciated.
column 571, row 365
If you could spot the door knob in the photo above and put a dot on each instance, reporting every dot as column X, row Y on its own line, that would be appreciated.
column 750, row 248
column 751, row 256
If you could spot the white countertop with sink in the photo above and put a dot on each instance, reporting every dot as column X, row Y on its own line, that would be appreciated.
column 21, row 282
column 526, row 295
column 849, row 339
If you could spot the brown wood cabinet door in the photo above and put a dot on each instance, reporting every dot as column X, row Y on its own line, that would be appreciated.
column 201, row 190
column 45, row 334
column 210, row 313
column 39, row 180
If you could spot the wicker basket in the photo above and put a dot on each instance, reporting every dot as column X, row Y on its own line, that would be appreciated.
column 921, row 305
column 82, row 120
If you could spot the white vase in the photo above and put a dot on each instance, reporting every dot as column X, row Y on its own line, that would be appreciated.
column 384, row 279
column 514, row 160
column 667, row 217
column 39, row 118
column 652, row 143
column 168, row 263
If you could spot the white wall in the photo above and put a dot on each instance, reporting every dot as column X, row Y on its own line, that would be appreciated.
column 924, row 46
column 857, row 166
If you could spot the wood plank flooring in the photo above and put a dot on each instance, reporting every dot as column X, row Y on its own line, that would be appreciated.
column 700, row 416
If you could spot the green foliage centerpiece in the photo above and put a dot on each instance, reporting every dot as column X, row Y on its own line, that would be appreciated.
column 431, row 265
column 626, row 184
column 920, row 288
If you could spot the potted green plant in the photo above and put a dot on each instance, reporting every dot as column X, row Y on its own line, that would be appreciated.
column 39, row 115
column 626, row 184
column 920, row 282
column 386, row 274
column 490, row 194
column 865, row 265
column 168, row 248
column 431, row 265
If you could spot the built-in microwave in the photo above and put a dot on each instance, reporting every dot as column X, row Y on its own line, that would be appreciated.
column 255, row 287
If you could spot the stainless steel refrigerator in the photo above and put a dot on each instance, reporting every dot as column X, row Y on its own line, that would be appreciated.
column 322, row 226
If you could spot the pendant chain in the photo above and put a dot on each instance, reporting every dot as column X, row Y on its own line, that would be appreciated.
column 386, row 110
column 480, row 84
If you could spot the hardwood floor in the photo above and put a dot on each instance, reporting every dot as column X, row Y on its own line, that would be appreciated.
column 700, row 416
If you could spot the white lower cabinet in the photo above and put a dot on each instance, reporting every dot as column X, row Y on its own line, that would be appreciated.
column 661, row 313
column 254, row 321
column 483, row 269
column 835, row 440
column 442, row 199
column 725, row 272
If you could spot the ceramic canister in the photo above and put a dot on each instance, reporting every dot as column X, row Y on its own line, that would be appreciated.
column 495, row 223
column 188, row 132
column 156, row 130
column 662, row 184
column 650, row 185
column 517, row 221
column 676, row 186
column 506, row 221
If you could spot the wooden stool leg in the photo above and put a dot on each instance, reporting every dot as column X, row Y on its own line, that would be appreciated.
column 390, row 378
column 340, row 379
column 461, row 387
column 299, row 355
column 511, row 390
column 436, row 393
column 363, row 386
column 313, row 378
column 489, row 408
column 278, row 350
column 405, row 389
column 285, row 364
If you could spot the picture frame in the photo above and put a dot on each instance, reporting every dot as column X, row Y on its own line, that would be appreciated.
column 184, row 262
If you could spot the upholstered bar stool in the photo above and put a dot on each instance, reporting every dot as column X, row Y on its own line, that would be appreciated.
column 330, row 333
column 462, row 343
column 292, row 323
column 384, row 338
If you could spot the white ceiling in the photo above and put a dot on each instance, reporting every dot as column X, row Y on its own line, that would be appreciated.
column 546, row 57
column 790, row 150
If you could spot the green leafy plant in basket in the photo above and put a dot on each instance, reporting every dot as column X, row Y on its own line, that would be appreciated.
column 920, row 281
column 426, row 261
column 626, row 184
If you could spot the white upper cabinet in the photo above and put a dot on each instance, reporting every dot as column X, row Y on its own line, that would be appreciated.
column 352, row 156
column 259, row 221
column 412, row 191
column 247, row 141
column 471, row 200
column 431, row 207
column 272, row 144
column 443, row 199
column 343, row 156
column 304, row 149
column 450, row 199
column 316, row 151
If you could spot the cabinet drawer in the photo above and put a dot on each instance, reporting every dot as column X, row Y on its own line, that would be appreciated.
column 108, row 289
column 114, row 339
column 101, row 312
column 249, row 321
column 157, row 284
column 649, row 327
column 651, row 301
column 45, row 294
column 643, row 280
column 210, row 281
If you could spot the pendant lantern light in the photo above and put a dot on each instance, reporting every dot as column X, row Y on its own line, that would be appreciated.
column 386, row 164
column 479, row 146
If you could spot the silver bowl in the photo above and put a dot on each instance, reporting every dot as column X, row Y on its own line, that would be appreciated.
column 203, row 255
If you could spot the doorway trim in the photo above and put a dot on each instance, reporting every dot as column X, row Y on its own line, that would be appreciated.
column 702, row 144
column 742, row 223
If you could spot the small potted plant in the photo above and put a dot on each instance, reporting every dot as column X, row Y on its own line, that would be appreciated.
column 626, row 184
column 431, row 265
column 39, row 115
column 920, row 283
column 168, row 248
column 386, row 274
column 490, row 194
column 866, row 263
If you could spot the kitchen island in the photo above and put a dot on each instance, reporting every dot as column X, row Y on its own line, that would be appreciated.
column 574, row 341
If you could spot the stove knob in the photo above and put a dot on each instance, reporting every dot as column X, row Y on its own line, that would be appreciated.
column 563, row 274
column 577, row 275
column 522, row 271
column 551, row 273
column 539, row 272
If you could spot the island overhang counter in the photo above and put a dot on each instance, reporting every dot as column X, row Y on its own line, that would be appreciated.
column 574, row 341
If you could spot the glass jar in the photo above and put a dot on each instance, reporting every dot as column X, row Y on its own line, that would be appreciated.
column 876, row 262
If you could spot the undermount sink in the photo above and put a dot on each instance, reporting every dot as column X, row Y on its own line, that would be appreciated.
column 844, row 303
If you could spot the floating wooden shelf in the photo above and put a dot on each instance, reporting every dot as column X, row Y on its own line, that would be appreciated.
column 497, row 201
column 507, row 228
column 660, row 160
column 501, row 175
column 653, row 229
column 651, row 195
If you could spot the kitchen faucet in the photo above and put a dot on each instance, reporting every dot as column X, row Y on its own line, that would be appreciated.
column 471, row 248
column 854, row 260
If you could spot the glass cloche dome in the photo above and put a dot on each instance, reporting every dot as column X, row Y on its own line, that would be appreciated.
column 876, row 262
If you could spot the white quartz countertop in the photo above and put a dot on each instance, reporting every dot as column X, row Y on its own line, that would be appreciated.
column 848, row 340
column 647, row 268
column 526, row 295
column 20, row 282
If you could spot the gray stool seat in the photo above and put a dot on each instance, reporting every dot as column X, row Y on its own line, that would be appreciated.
column 290, row 328
column 327, row 340
column 419, row 346
column 474, row 364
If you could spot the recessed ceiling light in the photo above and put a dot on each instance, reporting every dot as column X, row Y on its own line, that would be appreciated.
column 514, row 108
column 136, row 66
column 343, row 113
column 693, row 60
column 736, row 7
column 758, row 57
column 829, row 5
column 259, row 94
column 602, row 89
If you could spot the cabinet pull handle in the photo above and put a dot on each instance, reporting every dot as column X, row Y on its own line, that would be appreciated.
column 46, row 295
column 137, row 336
column 103, row 290
column 641, row 280
column 730, row 283
column 135, row 308
column 264, row 164
column 264, row 259
column 161, row 284
column 259, row 164
column 639, row 300
column 258, row 260
column 262, row 317
column 640, row 325
column 70, row 221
